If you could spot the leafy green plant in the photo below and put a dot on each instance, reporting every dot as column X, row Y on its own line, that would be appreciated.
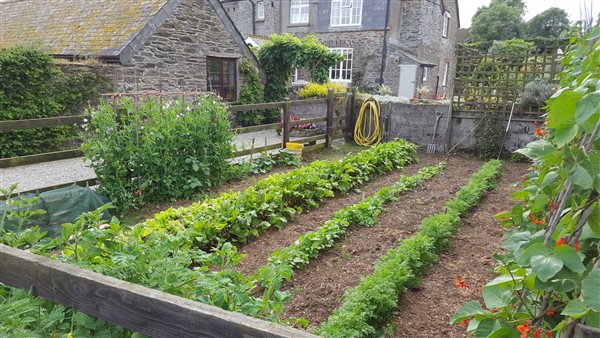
column 283, row 53
column 320, row 90
column 308, row 246
column 549, row 276
column 252, row 92
column 368, row 306
column 31, row 86
column 536, row 93
column 158, row 150
column 239, row 216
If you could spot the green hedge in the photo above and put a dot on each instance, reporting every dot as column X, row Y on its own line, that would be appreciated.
column 238, row 216
column 31, row 86
column 370, row 305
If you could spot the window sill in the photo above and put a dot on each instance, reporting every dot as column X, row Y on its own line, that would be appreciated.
column 303, row 24
column 445, row 36
column 260, row 20
column 343, row 26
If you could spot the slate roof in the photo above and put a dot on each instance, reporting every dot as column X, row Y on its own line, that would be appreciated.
column 101, row 28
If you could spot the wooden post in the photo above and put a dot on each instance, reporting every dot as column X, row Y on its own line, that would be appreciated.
column 349, row 116
column 285, row 128
column 148, row 311
column 329, row 121
column 447, row 144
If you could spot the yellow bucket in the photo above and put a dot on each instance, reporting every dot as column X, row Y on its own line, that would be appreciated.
column 294, row 146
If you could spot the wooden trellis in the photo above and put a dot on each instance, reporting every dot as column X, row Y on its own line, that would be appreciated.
column 490, row 82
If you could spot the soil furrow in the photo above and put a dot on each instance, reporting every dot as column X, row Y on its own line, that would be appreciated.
column 426, row 310
column 260, row 249
column 318, row 289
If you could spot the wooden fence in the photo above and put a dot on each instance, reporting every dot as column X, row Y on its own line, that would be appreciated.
column 487, row 82
column 148, row 311
column 334, row 118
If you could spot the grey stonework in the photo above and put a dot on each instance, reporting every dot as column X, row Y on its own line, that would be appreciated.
column 174, row 57
column 415, row 122
column 414, row 27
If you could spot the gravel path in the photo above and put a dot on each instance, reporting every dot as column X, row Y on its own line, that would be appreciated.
column 40, row 175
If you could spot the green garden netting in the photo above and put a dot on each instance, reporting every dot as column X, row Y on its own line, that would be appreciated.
column 61, row 205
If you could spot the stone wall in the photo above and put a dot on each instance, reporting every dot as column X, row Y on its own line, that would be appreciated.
column 174, row 57
column 416, row 122
column 240, row 11
column 367, row 48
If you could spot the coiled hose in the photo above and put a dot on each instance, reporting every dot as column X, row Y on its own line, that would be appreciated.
column 367, row 130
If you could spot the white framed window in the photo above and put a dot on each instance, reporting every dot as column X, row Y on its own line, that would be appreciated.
column 446, row 24
column 295, row 76
column 299, row 11
column 445, row 78
column 425, row 73
column 346, row 12
column 260, row 10
column 342, row 71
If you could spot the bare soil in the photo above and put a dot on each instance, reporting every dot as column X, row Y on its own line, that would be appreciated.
column 260, row 249
column 426, row 310
column 318, row 289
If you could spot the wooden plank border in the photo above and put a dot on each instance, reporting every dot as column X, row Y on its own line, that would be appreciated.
column 38, row 158
column 151, row 312
column 8, row 125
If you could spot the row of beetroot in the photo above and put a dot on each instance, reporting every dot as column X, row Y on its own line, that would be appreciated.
column 165, row 253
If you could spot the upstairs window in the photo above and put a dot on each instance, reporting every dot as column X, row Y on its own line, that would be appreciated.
column 260, row 10
column 446, row 24
column 299, row 11
column 221, row 77
column 343, row 70
column 425, row 73
column 346, row 12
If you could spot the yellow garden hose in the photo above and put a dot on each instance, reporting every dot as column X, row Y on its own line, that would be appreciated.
column 367, row 130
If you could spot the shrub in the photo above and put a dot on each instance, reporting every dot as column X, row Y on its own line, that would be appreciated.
column 158, row 153
column 536, row 93
column 320, row 90
column 31, row 86
column 487, row 137
column 252, row 92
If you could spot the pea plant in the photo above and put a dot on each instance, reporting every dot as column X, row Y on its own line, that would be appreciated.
column 549, row 277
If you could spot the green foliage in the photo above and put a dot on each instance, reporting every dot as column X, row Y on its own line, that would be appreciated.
column 536, row 93
column 513, row 52
column 153, row 153
column 368, row 306
column 320, row 90
column 550, row 24
column 309, row 246
column 31, row 86
column 499, row 21
column 283, row 53
column 252, row 92
column 548, row 276
column 488, row 136
column 239, row 216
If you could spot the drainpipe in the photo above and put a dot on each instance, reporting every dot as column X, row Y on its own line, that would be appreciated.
column 253, row 16
column 384, row 51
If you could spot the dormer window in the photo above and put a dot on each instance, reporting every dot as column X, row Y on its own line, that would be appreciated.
column 346, row 12
column 446, row 24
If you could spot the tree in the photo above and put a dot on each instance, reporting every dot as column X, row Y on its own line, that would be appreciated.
column 548, row 24
column 512, row 3
column 500, row 21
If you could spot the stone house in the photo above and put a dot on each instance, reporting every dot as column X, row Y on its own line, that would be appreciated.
column 401, row 43
column 169, row 45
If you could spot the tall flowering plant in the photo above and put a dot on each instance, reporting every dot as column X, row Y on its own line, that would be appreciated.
column 549, row 275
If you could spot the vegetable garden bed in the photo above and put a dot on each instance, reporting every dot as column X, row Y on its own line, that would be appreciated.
column 344, row 215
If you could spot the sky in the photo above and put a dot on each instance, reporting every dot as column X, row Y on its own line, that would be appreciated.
column 468, row 7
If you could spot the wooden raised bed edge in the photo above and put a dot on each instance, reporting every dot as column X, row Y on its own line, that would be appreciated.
column 148, row 311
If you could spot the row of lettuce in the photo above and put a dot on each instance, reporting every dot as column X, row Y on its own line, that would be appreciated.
column 177, row 251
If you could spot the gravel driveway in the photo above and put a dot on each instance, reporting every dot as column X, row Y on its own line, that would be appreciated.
column 40, row 175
